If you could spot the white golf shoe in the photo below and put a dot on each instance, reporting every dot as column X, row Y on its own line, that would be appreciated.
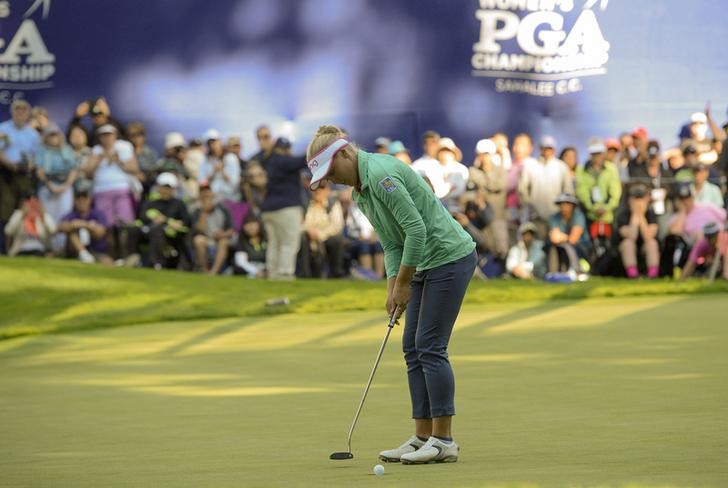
column 434, row 451
column 393, row 455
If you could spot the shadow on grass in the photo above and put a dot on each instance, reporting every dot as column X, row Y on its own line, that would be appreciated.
column 209, row 334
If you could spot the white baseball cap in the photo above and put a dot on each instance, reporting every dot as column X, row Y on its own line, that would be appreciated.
column 596, row 146
column 485, row 146
column 211, row 135
column 174, row 139
column 699, row 118
column 320, row 163
column 167, row 179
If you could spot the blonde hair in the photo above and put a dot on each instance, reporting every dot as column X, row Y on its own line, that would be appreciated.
column 325, row 135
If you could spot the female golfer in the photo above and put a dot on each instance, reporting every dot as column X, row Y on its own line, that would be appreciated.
column 429, row 260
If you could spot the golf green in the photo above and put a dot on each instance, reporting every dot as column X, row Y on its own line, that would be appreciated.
column 627, row 392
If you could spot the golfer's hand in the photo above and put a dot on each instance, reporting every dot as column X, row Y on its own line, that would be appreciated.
column 400, row 298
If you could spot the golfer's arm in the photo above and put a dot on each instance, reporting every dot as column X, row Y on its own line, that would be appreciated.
column 404, row 277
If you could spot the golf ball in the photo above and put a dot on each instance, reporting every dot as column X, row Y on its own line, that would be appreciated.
column 379, row 470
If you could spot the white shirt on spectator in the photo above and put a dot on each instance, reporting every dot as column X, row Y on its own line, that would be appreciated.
column 448, row 180
column 541, row 182
column 109, row 175
column 225, row 190
column 357, row 224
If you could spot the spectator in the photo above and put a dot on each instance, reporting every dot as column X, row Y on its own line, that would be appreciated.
column 489, row 181
column 526, row 260
column 570, row 158
column 475, row 219
column 234, row 146
column 709, row 252
column 360, row 239
column 252, row 249
column 614, row 155
column 282, row 211
column 705, row 191
column 568, row 242
column 18, row 144
column 29, row 230
column 265, row 144
column 399, row 151
column 430, row 146
column 381, row 145
column 78, row 141
column 56, row 172
column 599, row 189
column 638, row 152
column 683, row 173
column 146, row 156
column 451, row 177
column 85, row 228
column 165, row 225
column 175, row 155
column 502, row 156
column 111, row 165
column 637, row 233
column 193, row 158
column 254, row 186
column 39, row 119
column 100, row 114
column 686, row 226
column 626, row 142
column 428, row 162
column 522, row 149
column 540, row 182
column 692, row 216
column 212, row 232
column 221, row 171
column 698, row 135
column 322, row 239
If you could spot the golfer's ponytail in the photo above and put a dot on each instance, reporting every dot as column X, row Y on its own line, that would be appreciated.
column 325, row 135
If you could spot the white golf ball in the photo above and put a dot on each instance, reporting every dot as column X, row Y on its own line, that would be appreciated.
column 379, row 470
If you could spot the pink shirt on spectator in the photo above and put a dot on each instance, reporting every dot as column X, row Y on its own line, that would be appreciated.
column 701, row 214
column 702, row 249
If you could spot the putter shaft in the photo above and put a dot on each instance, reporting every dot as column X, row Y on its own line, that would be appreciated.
column 392, row 321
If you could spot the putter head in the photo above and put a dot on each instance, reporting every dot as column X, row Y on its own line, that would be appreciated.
column 340, row 456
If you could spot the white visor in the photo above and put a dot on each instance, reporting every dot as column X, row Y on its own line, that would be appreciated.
column 320, row 163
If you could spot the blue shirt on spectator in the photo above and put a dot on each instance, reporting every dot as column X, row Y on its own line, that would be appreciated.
column 577, row 219
column 20, row 141
column 284, row 182
column 56, row 163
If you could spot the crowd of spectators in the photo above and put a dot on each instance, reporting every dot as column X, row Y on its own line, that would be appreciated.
column 97, row 192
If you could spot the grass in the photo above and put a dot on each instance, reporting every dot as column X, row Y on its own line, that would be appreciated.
column 594, row 392
column 43, row 296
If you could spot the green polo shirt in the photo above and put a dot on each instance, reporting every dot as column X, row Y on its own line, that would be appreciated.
column 413, row 226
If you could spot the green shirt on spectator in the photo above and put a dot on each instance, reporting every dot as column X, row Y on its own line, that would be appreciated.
column 411, row 223
column 596, row 189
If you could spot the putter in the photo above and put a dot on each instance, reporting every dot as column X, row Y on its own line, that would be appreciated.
column 348, row 454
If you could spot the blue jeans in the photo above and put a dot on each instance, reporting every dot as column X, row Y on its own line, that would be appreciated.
column 430, row 316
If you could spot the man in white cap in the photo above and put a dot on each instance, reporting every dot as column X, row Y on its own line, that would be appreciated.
column 18, row 145
column 490, row 181
column 175, row 156
column 164, row 223
column 541, row 181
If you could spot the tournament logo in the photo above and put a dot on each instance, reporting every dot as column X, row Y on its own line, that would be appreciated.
column 25, row 61
column 388, row 184
column 539, row 47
